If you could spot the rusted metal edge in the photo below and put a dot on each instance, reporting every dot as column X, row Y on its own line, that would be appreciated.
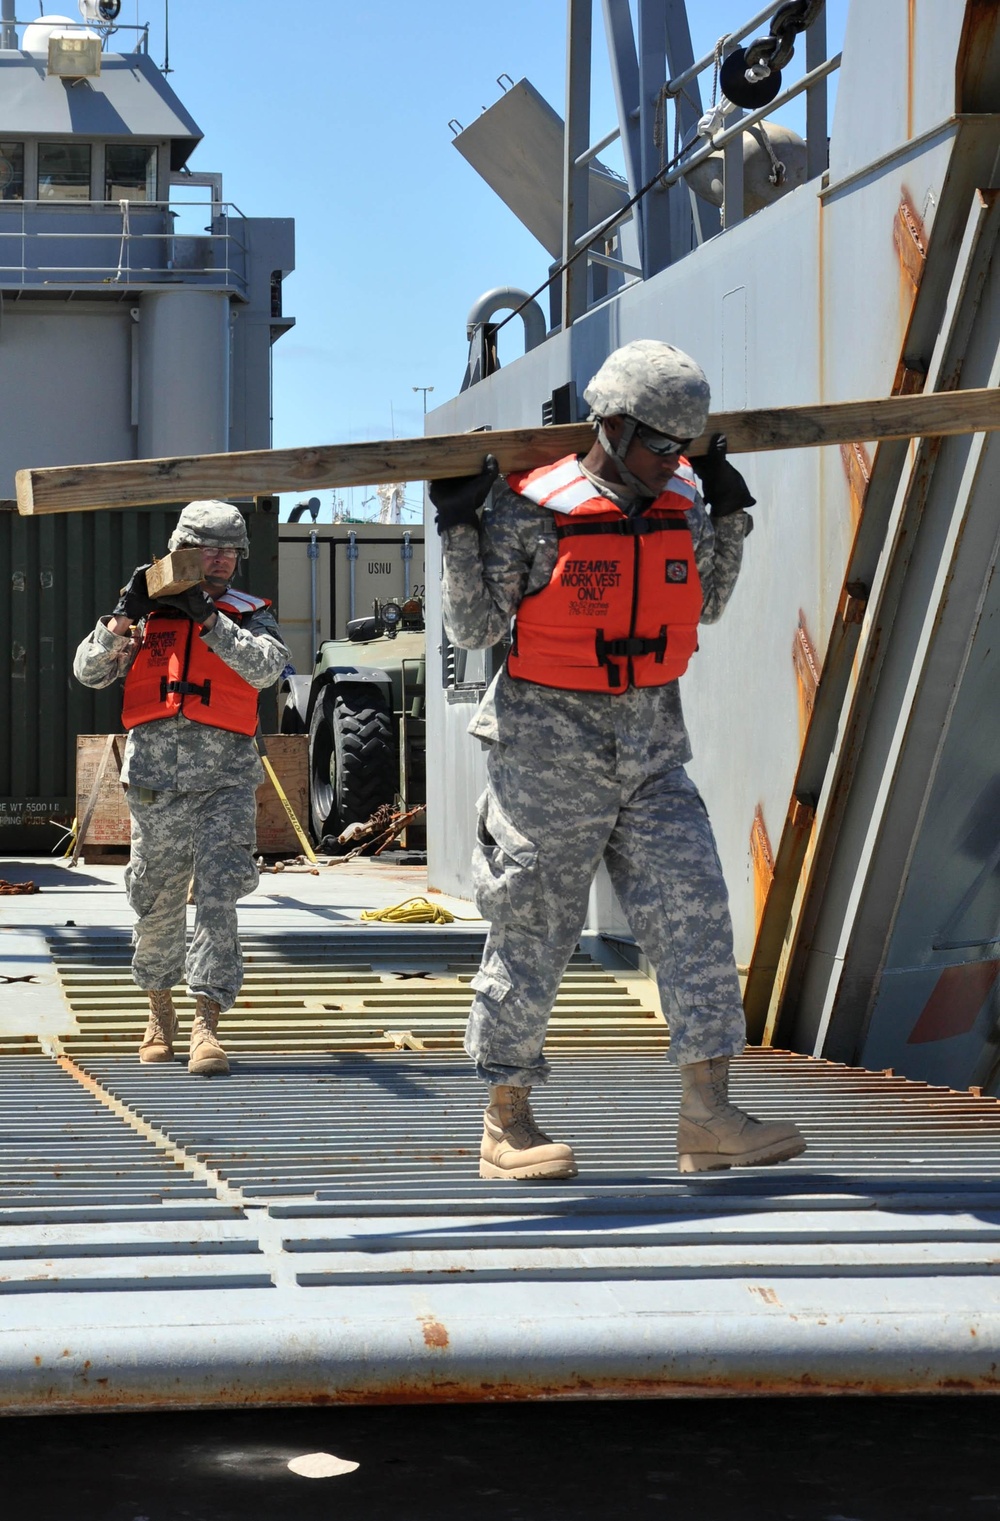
column 561, row 1351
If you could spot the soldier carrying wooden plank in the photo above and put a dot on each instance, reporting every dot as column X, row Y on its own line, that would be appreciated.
column 606, row 564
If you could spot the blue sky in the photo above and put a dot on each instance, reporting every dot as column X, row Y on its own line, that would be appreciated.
column 337, row 115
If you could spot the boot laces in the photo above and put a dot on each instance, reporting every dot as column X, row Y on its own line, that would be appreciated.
column 161, row 1026
column 206, row 1017
column 523, row 1128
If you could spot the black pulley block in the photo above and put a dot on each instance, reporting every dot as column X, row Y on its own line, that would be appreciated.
column 735, row 85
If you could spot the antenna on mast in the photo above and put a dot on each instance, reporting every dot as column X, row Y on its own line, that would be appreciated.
column 391, row 498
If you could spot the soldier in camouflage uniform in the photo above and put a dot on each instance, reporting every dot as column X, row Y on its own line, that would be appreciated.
column 191, row 769
column 581, row 775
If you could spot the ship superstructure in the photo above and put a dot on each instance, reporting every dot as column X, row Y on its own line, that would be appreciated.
column 138, row 309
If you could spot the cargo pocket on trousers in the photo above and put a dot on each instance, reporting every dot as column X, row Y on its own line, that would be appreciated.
column 503, row 867
column 493, row 979
column 140, row 893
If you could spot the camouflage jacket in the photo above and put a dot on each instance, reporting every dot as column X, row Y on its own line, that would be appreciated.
column 485, row 576
column 175, row 754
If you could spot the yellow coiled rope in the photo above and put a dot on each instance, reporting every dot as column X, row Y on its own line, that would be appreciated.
column 413, row 911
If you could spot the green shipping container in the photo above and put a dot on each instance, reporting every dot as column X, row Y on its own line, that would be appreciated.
column 61, row 572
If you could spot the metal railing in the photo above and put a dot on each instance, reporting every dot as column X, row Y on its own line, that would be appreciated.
column 124, row 244
column 644, row 102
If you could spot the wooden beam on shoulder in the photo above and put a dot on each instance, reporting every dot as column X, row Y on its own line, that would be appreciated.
column 262, row 472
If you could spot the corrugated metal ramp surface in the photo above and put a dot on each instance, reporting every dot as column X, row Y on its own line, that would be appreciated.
column 354, row 988
column 313, row 1230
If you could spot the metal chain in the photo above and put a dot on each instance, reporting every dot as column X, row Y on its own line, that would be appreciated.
column 778, row 169
column 773, row 52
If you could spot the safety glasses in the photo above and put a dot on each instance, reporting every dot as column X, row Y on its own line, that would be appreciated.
column 660, row 443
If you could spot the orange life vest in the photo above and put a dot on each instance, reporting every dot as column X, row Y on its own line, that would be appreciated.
column 622, row 606
column 176, row 672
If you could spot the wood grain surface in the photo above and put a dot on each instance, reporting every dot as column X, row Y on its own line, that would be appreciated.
column 261, row 472
column 175, row 572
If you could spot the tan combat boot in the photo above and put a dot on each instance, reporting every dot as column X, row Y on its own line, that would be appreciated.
column 514, row 1147
column 158, row 1041
column 713, row 1133
column 207, row 1057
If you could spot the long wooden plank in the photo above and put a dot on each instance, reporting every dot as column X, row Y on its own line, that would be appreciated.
column 260, row 472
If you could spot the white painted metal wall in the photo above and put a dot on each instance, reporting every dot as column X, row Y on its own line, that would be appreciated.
column 184, row 372
column 803, row 302
column 65, row 385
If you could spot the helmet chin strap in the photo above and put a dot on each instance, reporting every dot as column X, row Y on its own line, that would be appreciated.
column 618, row 452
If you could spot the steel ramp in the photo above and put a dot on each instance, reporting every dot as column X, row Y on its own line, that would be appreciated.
column 313, row 1229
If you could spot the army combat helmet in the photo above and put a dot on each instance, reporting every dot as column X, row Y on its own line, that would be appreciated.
column 211, row 525
column 654, row 386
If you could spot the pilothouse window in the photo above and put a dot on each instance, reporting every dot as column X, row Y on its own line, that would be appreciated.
column 64, row 171
column 11, row 171
column 129, row 172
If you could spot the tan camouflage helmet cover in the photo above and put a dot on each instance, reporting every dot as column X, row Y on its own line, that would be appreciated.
column 211, row 525
column 656, row 384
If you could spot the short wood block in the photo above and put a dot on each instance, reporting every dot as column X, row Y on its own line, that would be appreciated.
column 176, row 572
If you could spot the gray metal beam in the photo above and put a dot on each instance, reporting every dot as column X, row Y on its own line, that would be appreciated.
column 689, row 214
column 817, row 124
column 625, row 80
column 732, row 153
column 576, row 176
column 654, row 209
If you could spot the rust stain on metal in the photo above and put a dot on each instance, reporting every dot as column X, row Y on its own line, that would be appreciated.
column 977, row 57
column 801, row 814
column 910, row 379
column 910, row 237
column 955, row 1002
column 435, row 1334
column 858, row 469
column 767, row 1295
column 807, row 672
column 454, row 1391
column 853, row 601
column 762, row 860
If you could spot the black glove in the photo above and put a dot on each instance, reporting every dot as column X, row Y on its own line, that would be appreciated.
column 722, row 486
column 459, row 500
column 135, row 602
column 193, row 603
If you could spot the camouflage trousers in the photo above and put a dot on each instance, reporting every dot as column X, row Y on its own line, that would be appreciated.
column 543, row 830
column 177, row 836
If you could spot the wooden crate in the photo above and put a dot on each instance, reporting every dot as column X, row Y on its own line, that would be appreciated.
column 110, row 823
column 288, row 754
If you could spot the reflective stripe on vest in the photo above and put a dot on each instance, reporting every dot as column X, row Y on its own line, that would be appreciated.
column 176, row 672
column 622, row 605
